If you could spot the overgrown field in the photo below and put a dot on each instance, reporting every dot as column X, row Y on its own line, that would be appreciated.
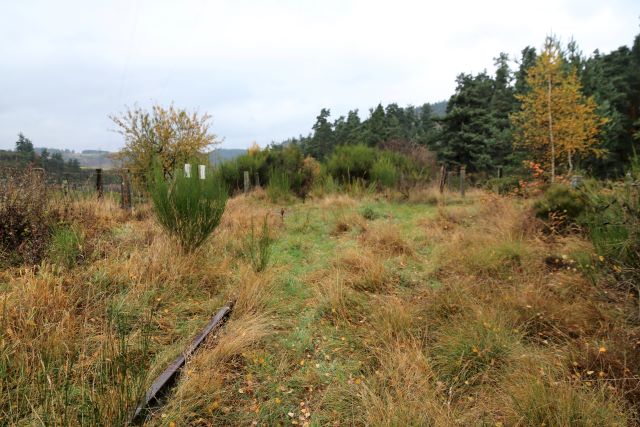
column 363, row 311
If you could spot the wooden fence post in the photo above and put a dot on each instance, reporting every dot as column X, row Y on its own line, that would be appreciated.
column 443, row 170
column 125, row 191
column 462, row 177
column 247, row 183
column 65, row 185
column 99, row 188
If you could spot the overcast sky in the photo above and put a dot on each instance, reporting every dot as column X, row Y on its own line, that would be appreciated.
column 262, row 69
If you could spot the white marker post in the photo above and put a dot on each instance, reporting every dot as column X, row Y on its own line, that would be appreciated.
column 187, row 170
column 201, row 171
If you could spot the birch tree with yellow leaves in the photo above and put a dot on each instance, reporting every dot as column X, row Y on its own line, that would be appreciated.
column 556, row 122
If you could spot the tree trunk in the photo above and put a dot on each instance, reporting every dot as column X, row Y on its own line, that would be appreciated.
column 570, row 162
column 553, row 147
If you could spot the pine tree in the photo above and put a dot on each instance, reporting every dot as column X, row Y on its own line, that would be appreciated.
column 375, row 127
column 527, row 60
column 502, row 104
column 394, row 121
column 24, row 145
column 555, row 120
column 426, row 132
column 468, row 127
column 322, row 141
column 353, row 128
column 410, row 122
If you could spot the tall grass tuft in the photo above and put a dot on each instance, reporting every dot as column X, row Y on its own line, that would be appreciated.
column 279, row 187
column 189, row 209
column 66, row 246
column 536, row 402
column 258, row 247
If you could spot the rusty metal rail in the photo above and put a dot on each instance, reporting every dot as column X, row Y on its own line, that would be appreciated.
column 167, row 378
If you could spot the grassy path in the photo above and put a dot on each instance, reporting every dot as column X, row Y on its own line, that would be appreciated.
column 325, row 275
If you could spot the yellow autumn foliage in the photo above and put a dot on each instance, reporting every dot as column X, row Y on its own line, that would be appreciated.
column 556, row 121
column 172, row 135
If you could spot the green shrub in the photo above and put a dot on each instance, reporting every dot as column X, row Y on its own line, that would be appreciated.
column 269, row 165
column 259, row 247
column 279, row 187
column 349, row 162
column 189, row 209
column 504, row 185
column 26, row 220
column 612, row 220
column 560, row 200
column 384, row 172
column 66, row 246
column 311, row 172
column 232, row 171
column 369, row 213
column 325, row 184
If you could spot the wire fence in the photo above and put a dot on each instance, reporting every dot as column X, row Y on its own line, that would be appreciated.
column 115, row 184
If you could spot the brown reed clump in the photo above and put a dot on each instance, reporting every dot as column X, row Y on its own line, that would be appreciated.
column 26, row 218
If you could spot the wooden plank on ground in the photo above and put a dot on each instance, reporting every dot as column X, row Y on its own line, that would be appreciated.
column 169, row 375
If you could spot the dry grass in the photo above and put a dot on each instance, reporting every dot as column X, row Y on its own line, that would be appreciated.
column 251, row 292
column 476, row 327
column 86, row 335
column 403, row 391
column 336, row 300
column 429, row 195
column 536, row 401
column 337, row 201
column 386, row 239
column 363, row 270
column 348, row 221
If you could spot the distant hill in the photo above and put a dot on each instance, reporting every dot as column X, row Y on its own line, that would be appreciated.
column 220, row 155
column 88, row 159
column 93, row 159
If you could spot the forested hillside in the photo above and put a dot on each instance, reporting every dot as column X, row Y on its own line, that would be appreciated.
column 477, row 127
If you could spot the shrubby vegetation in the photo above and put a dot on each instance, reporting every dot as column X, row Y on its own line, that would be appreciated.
column 285, row 172
column 26, row 218
column 189, row 208
column 612, row 221
column 562, row 201
column 163, row 137
column 282, row 170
